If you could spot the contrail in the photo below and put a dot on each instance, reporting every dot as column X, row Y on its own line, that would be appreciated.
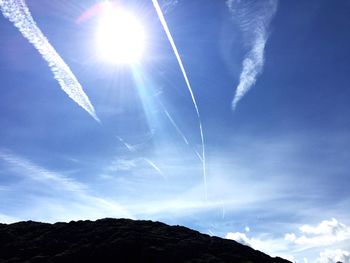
column 253, row 18
column 252, row 67
column 154, row 166
column 128, row 146
column 223, row 210
column 179, row 131
column 172, row 43
column 148, row 161
column 17, row 12
column 176, row 127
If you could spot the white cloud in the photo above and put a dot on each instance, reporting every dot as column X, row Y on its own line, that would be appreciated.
column 303, row 247
column 253, row 19
column 326, row 233
column 334, row 256
column 332, row 227
column 239, row 237
column 265, row 243
column 290, row 237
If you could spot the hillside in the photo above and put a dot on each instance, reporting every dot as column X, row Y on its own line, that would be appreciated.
column 118, row 240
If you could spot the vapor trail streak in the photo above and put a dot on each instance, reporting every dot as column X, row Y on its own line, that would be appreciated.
column 148, row 161
column 154, row 166
column 176, row 127
column 179, row 131
column 253, row 19
column 17, row 12
column 172, row 43
column 128, row 146
column 252, row 67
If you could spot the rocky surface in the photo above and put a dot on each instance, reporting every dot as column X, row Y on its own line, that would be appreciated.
column 118, row 240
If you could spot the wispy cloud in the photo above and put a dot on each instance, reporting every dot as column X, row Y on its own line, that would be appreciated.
column 168, row 5
column 182, row 68
column 7, row 219
column 59, row 188
column 37, row 173
column 253, row 19
column 18, row 13
column 120, row 164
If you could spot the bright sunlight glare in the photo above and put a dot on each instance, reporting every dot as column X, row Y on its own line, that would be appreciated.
column 120, row 36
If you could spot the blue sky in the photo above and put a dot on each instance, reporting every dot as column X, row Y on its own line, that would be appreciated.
column 276, row 164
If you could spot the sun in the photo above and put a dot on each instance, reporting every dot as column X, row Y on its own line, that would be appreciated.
column 120, row 36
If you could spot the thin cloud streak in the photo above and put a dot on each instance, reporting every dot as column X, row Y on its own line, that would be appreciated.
column 154, row 166
column 177, row 55
column 168, row 5
column 17, row 12
column 253, row 19
column 179, row 131
column 128, row 146
column 132, row 163
column 58, row 183
column 37, row 173
column 176, row 127
column 4, row 219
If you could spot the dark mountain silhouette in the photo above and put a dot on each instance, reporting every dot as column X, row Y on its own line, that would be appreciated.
column 118, row 240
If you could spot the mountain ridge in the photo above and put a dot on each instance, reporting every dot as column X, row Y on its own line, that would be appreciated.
column 119, row 240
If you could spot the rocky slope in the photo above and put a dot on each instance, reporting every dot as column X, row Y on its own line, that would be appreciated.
column 118, row 240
